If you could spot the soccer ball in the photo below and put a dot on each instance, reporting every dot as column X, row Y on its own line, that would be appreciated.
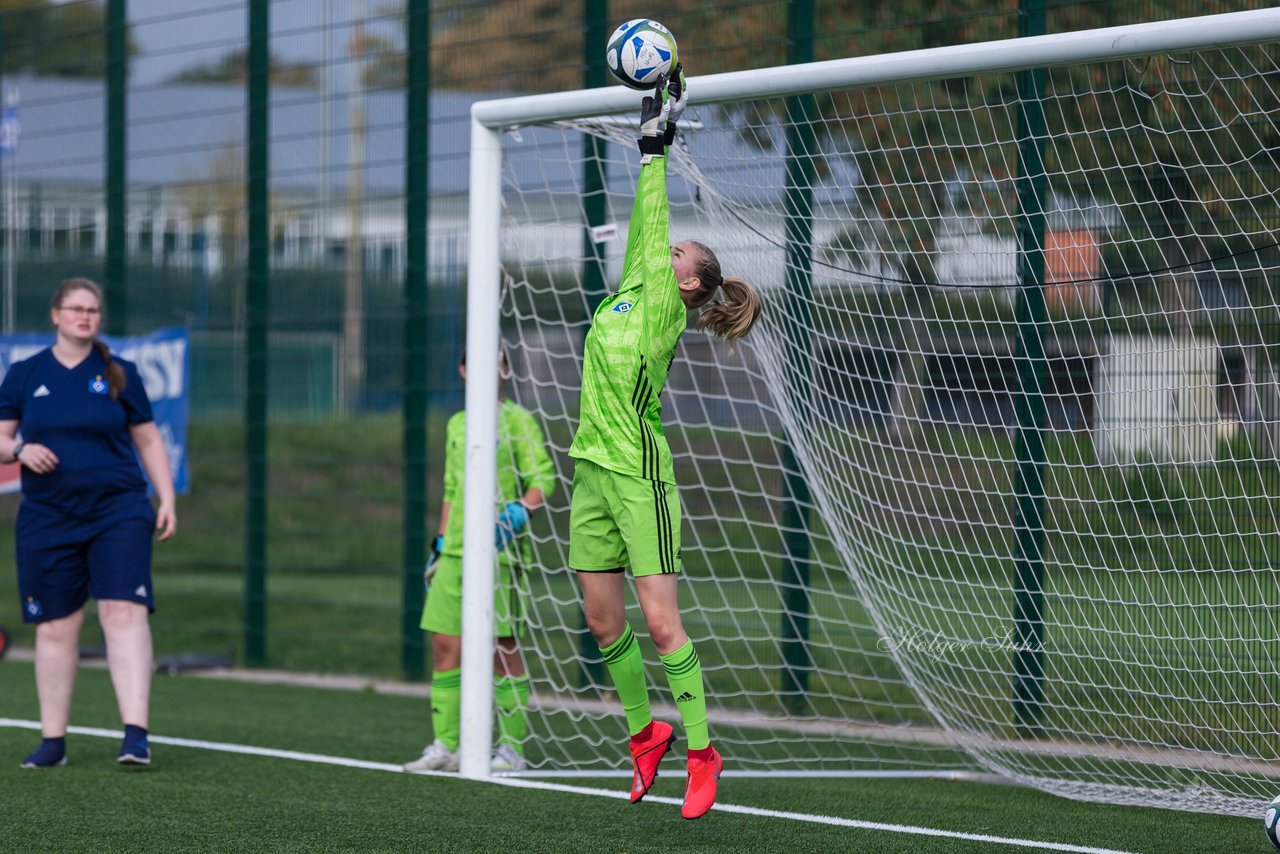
column 1271, row 820
column 640, row 51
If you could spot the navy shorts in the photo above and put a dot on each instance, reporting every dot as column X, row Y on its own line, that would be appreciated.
column 62, row 561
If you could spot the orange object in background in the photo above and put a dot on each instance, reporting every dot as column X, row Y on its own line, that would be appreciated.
column 1072, row 257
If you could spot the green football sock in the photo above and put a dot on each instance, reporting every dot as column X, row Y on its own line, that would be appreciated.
column 446, row 699
column 684, row 675
column 626, row 667
column 511, row 693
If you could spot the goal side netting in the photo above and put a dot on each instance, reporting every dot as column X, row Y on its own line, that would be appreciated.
column 993, row 486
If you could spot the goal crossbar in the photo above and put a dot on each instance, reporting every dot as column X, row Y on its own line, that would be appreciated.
column 1111, row 43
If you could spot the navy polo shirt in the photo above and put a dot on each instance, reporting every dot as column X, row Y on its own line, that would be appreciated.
column 70, row 411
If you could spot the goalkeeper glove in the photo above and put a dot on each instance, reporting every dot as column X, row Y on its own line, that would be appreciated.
column 436, row 546
column 654, row 110
column 511, row 521
column 678, row 98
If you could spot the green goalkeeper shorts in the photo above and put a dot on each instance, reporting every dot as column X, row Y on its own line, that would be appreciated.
column 442, row 613
column 622, row 521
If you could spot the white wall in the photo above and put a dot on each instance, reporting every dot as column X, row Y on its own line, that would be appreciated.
column 1157, row 400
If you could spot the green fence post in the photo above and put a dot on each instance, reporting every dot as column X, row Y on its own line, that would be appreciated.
column 116, row 273
column 1031, row 316
column 257, row 307
column 417, row 201
column 800, row 171
column 595, row 207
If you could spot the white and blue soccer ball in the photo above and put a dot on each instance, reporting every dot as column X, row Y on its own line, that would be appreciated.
column 1271, row 822
column 640, row 51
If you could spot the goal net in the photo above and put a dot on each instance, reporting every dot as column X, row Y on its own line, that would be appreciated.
column 993, row 485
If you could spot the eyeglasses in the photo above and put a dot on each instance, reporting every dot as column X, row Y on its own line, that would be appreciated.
column 81, row 309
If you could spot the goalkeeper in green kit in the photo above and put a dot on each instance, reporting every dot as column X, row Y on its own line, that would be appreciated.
column 625, row 512
column 526, row 477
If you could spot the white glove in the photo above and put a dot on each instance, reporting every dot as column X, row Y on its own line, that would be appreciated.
column 678, row 94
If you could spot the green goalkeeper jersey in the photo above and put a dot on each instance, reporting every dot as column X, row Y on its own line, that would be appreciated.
column 631, row 345
column 523, row 464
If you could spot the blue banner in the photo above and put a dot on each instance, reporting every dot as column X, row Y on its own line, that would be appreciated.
column 164, row 363
column 9, row 129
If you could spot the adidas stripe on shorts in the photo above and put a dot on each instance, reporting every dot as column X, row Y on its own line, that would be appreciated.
column 622, row 521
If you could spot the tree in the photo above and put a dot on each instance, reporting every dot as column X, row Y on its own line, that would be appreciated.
column 234, row 68
column 541, row 41
column 56, row 40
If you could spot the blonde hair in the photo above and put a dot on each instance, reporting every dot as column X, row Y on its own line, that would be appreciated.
column 115, row 373
column 733, row 317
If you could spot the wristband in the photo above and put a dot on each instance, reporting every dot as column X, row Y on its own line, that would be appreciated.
column 17, row 449
column 651, row 146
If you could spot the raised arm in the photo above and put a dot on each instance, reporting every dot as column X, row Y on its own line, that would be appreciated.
column 648, row 235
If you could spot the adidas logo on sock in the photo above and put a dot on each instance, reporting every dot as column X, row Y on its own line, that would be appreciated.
column 685, row 697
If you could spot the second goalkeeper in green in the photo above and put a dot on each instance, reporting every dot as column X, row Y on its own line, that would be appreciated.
column 526, row 477
column 625, row 512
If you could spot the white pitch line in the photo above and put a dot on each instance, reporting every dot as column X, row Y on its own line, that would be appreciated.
column 525, row 783
column 224, row 747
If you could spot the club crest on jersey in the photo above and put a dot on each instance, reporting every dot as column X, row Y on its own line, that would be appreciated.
column 623, row 307
column 98, row 385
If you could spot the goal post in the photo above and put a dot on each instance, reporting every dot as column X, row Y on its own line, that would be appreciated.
column 481, row 480
column 1137, row 664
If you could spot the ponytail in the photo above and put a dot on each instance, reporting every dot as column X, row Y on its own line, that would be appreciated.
column 733, row 317
column 115, row 373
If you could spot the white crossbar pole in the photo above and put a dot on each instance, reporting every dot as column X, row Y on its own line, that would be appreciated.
column 1111, row 43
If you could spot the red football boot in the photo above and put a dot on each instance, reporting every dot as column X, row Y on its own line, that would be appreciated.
column 700, row 792
column 647, row 749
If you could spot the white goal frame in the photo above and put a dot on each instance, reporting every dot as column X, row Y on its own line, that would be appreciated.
column 490, row 119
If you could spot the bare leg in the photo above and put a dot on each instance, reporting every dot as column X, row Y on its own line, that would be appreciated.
column 57, row 657
column 446, row 652
column 507, row 660
column 604, row 606
column 660, row 602
column 128, row 635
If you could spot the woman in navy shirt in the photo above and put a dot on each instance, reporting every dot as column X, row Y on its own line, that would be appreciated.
column 85, row 525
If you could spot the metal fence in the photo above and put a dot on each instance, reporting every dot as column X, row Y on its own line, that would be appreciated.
column 287, row 179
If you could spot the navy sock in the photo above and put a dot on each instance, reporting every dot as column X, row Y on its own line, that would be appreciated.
column 59, row 745
column 133, row 733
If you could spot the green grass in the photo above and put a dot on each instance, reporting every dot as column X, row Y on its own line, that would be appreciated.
column 1184, row 550
column 197, row 800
